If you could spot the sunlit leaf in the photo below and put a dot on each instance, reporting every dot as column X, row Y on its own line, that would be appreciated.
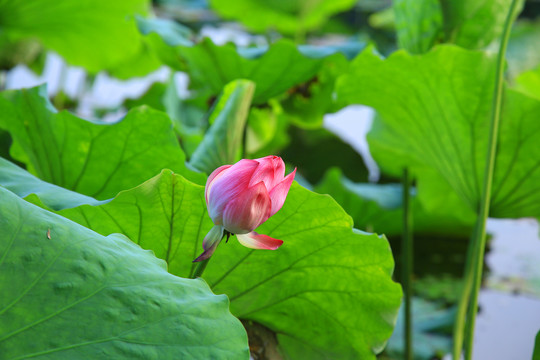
column 529, row 83
column 327, row 292
column 288, row 17
column 68, row 292
column 92, row 158
column 474, row 24
column 435, row 111
column 95, row 34
column 418, row 24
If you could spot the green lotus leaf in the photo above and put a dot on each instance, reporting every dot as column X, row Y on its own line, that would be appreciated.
column 70, row 293
column 95, row 34
column 435, row 113
column 93, row 158
column 327, row 292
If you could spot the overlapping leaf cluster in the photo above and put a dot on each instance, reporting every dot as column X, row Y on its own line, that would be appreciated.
column 327, row 293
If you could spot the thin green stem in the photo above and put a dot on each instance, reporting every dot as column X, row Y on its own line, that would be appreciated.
column 480, row 229
column 200, row 268
column 407, row 263
column 463, row 302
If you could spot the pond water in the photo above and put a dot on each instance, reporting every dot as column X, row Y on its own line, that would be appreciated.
column 509, row 315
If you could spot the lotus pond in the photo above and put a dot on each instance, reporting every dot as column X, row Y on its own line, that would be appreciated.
column 147, row 157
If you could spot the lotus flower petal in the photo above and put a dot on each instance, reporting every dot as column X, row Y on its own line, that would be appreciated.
column 229, row 186
column 214, row 176
column 253, row 240
column 279, row 193
column 247, row 211
column 210, row 242
column 271, row 171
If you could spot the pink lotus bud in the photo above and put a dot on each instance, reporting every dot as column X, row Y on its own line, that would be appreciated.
column 241, row 197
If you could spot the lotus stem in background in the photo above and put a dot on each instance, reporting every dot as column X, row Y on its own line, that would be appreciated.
column 407, row 264
column 479, row 239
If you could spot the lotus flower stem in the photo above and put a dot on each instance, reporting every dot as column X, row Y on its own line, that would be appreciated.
column 479, row 238
column 201, row 266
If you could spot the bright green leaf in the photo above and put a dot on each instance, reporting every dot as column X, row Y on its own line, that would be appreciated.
column 435, row 111
column 474, row 24
column 222, row 143
column 92, row 158
column 418, row 24
column 95, row 34
column 529, row 83
column 286, row 16
column 327, row 292
column 70, row 293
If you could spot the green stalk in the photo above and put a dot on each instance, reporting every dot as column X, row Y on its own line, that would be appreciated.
column 407, row 263
column 463, row 302
column 200, row 268
column 479, row 242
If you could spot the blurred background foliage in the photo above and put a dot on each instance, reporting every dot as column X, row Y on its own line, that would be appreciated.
column 299, row 59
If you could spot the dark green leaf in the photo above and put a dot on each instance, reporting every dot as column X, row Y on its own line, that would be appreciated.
column 315, row 151
column 536, row 351
column 274, row 69
column 377, row 207
column 70, row 293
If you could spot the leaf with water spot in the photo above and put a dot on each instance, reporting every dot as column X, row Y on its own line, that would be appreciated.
column 80, row 295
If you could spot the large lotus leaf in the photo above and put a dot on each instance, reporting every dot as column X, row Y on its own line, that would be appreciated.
column 92, row 158
column 274, row 69
column 435, row 111
column 286, row 16
column 418, row 24
column 70, row 293
column 474, row 24
column 95, row 34
column 327, row 292
column 222, row 143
